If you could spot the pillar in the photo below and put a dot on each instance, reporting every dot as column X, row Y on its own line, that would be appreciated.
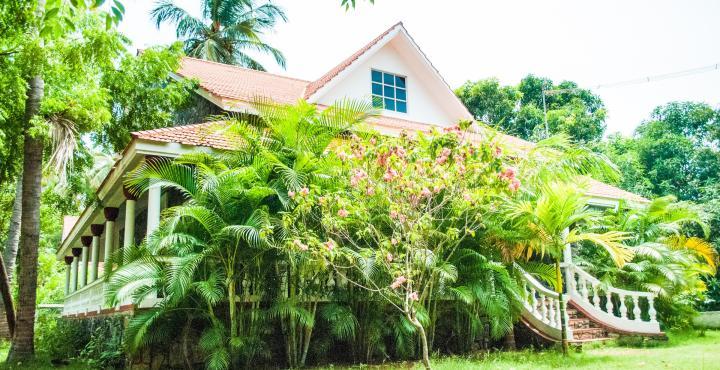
column 68, row 273
column 111, row 214
column 97, row 230
column 76, row 252
column 153, row 208
column 129, row 232
column 83, row 271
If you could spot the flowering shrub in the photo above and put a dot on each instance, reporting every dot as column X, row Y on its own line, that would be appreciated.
column 404, row 210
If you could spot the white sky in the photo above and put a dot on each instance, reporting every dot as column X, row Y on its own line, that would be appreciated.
column 589, row 42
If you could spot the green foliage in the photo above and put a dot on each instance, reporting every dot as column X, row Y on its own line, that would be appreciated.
column 227, row 32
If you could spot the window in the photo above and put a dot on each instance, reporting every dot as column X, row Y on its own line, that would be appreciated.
column 389, row 91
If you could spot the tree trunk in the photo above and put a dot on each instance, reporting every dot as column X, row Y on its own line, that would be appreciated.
column 7, row 299
column 186, row 342
column 509, row 342
column 13, row 236
column 563, row 324
column 22, row 344
column 423, row 341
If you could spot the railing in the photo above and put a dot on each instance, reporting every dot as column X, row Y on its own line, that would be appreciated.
column 89, row 298
column 619, row 309
column 542, row 308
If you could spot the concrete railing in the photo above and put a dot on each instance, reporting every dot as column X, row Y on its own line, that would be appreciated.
column 542, row 307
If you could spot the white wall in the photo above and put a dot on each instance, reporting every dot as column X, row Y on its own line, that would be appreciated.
column 424, row 94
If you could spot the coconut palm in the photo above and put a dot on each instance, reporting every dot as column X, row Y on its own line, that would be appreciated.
column 228, row 31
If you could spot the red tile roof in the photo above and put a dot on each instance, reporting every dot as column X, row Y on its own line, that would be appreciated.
column 206, row 134
column 316, row 85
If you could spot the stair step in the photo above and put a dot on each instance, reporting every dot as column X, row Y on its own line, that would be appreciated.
column 589, row 333
column 580, row 323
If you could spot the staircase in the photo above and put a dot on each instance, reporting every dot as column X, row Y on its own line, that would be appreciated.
column 595, row 310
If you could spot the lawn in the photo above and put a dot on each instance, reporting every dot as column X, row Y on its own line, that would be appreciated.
column 683, row 351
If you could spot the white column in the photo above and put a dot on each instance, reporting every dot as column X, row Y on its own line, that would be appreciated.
column 97, row 230
column 83, row 272
column 153, row 208
column 129, row 231
column 110, row 216
column 74, row 269
column 68, row 263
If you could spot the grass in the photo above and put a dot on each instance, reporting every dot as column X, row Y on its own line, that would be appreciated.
column 683, row 351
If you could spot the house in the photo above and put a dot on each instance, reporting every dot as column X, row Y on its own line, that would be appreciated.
column 399, row 78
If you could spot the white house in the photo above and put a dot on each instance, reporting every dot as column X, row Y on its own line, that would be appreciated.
column 399, row 78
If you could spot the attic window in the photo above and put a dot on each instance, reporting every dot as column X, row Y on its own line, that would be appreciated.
column 389, row 91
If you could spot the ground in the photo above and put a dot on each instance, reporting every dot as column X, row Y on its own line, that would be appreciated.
column 683, row 351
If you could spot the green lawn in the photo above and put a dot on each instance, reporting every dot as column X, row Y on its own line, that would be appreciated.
column 684, row 351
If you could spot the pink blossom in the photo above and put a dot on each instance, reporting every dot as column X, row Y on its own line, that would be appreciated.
column 300, row 245
column 389, row 257
column 400, row 152
column 291, row 194
column 437, row 188
column 357, row 176
column 398, row 282
column 413, row 296
column 425, row 193
column 343, row 156
column 393, row 241
column 304, row 191
column 373, row 141
column 342, row 213
column 461, row 168
column 514, row 185
column 467, row 197
column 393, row 214
column 497, row 151
column 330, row 245
column 370, row 190
column 508, row 174
column 390, row 174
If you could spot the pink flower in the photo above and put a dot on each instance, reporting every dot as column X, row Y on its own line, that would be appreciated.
column 437, row 188
column 413, row 296
column 300, row 245
column 400, row 152
column 393, row 241
column 497, row 151
column 390, row 174
column 370, row 190
column 343, row 213
column 467, row 197
column 357, row 176
column 343, row 156
column 393, row 214
column 508, row 174
column 291, row 194
column 330, row 245
column 514, row 185
column 373, row 141
column 304, row 191
column 425, row 193
column 398, row 282
column 389, row 257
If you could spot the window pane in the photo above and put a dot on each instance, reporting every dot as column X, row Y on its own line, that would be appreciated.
column 402, row 107
column 400, row 81
column 389, row 104
column 377, row 102
column 389, row 92
column 377, row 89
column 389, row 79
column 376, row 76
column 401, row 94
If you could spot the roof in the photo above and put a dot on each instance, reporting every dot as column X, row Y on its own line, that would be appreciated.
column 316, row 85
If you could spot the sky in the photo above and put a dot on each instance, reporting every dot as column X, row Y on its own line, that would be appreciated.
column 589, row 42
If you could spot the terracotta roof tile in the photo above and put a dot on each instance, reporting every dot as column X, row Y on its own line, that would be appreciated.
column 203, row 134
column 241, row 84
column 316, row 85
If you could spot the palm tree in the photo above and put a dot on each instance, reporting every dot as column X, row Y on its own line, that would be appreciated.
column 228, row 31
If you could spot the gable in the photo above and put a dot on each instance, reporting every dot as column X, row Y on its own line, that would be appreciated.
column 429, row 99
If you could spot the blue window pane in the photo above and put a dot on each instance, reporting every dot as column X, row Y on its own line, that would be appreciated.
column 377, row 89
column 389, row 79
column 400, row 81
column 401, row 94
column 389, row 104
column 376, row 76
column 402, row 107
column 377, row 102
column 389, row 92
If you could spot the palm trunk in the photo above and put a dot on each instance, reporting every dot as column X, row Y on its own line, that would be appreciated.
column 186, row 342
column 563, row 324
column 13, row 236
column 7, row 299
column 22, row 345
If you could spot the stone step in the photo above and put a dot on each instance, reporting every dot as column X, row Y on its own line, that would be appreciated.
column 580, row 323
column 589, row 333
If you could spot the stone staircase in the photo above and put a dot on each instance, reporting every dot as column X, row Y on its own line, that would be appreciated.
column 585, row 329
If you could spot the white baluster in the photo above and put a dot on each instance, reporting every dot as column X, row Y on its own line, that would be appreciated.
column 651, row 308
column 532, row 301
column 584, row 290
column 636, row 308
column 572, row 284
column 623, row 307
column 551, row 311
column 543, row 309
column 608, row 303
column 596, row 297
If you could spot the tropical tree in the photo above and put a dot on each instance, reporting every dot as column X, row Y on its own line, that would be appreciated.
column 228, row 31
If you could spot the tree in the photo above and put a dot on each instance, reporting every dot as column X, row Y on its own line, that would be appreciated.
column 228, row 31
column 409, row 206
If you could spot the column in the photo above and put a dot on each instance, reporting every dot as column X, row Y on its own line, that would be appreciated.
column 68, row 273
column 111, row 214
column 97, row 230
column 129, row 232
column 153, row 207
column 83, row 272
column 76, row 252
